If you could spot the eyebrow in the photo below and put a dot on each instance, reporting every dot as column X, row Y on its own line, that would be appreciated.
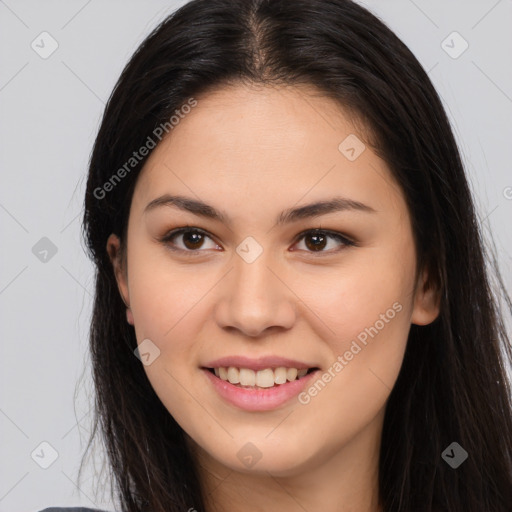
column 199, row 208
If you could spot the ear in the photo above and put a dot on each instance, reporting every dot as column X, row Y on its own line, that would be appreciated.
column 426, row 301
column 120, row 272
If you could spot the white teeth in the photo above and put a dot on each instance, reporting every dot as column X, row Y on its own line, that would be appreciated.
column 266, row 378
column 280, row 375
column 291, row 374
column 247, row 377
column 233, row 375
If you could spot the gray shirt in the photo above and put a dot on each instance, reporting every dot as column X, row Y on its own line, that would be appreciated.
column 72, row 509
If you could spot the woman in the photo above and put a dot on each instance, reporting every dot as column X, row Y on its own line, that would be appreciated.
column 292, row 309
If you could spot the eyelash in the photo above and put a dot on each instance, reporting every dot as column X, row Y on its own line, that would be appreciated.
column 166, row 239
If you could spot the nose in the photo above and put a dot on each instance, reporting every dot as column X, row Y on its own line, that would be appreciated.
column 255, row 297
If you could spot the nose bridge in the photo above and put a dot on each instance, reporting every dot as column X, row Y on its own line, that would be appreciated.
column 254, row 298
column 252, row 281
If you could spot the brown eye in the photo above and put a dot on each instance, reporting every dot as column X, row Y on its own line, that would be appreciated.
column 317, row 240
column 194, row 239
column 191, row 240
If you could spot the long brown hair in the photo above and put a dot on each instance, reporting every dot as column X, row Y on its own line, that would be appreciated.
column 453, row 384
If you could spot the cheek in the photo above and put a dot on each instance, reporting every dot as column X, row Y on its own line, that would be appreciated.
column 163, row 296
column 365, row 292
column 367, row 308
column 370, row 318
column 167, row 308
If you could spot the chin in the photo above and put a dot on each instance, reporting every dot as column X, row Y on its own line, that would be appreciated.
column 260, row 457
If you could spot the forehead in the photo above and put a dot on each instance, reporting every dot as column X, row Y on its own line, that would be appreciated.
column 258, row 145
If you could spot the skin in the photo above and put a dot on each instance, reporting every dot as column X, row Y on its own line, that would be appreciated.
column 238, row 150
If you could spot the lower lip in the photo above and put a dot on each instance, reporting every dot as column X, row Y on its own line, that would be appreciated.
column 258, row 399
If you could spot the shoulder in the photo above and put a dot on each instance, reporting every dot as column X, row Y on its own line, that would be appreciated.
column 71, row 509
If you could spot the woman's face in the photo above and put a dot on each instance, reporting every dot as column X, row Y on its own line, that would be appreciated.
column 254, row 289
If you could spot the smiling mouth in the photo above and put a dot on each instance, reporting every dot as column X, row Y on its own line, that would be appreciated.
column 246, row 378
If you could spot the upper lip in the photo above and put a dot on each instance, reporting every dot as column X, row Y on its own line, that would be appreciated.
column 260, row 363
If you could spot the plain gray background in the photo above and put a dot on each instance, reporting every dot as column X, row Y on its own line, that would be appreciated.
column 50, row 110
